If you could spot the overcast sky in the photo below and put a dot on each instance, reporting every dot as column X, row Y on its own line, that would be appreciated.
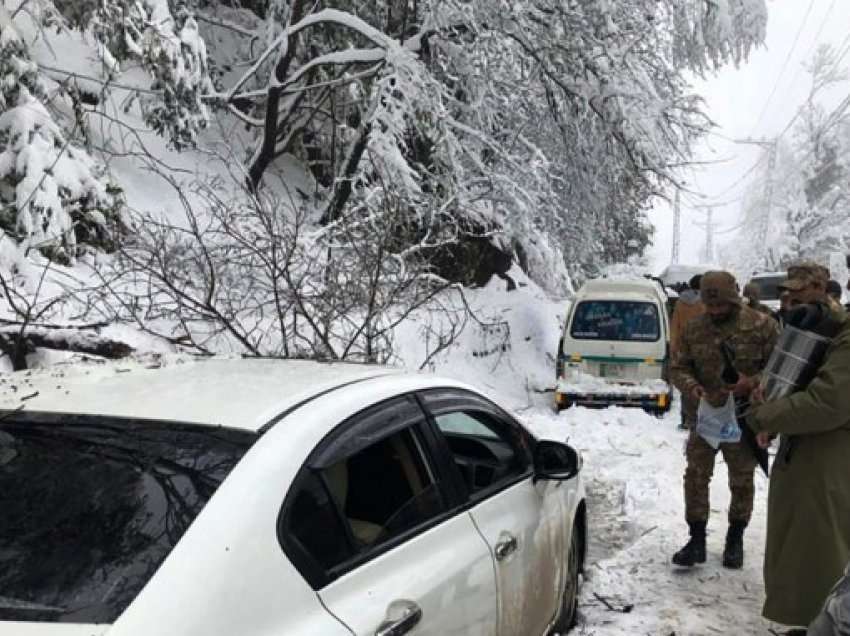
column 737, row 100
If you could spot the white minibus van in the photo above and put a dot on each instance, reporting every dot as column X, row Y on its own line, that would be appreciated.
column 615, row 347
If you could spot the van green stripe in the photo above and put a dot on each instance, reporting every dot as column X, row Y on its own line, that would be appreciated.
column 614, row 359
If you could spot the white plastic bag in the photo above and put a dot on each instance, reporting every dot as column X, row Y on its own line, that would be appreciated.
column 718, row 424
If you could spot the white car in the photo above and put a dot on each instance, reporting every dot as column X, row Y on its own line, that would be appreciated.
column 271, row 498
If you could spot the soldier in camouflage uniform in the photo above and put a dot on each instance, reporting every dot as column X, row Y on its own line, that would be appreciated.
column 697, row 371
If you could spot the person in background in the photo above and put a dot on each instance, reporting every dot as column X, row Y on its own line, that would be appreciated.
column 833, row 290
column 784, row 307
column 688, row 307
column 808, row 508
column 847, row 305
column 727, row 326
column 753, row 296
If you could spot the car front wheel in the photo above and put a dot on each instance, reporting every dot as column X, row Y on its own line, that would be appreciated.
column 569, row 602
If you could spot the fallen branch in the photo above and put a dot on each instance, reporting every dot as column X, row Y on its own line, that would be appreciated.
column 73, row 340
column 625, row 609
column 647, row 531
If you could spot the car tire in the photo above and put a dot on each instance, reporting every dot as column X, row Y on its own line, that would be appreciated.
column 568, row 616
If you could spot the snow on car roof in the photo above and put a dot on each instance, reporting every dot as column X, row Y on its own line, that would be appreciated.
column 683, row 273
column 625, row 288
column 233, row 392
column 758, row 275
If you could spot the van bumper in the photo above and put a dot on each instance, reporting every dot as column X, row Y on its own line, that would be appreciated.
column 652, row 402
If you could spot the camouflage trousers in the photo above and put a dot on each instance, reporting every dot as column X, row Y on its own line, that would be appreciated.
column 689, row 412
column 740, row 463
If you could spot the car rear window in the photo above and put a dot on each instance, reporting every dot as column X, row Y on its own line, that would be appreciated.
column 91, row 507
column 768, row 286
column 616, row 320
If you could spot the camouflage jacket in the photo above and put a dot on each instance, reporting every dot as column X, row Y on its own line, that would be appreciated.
column 699, row 359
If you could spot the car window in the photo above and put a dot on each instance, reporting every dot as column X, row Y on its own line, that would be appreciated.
column 768, row 286
column 355, row 500
column 385, row 489
column 483, row 448
column 313, row 520
column 465, row 424
column 92, row 506
column 619, row 320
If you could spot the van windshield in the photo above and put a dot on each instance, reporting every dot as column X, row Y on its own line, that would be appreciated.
column 616, row 320
column 91, row 506
column 768, row 286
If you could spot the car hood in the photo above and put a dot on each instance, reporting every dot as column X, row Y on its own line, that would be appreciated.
column 51, row 629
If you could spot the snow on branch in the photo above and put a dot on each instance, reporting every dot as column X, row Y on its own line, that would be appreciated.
column 171, row 50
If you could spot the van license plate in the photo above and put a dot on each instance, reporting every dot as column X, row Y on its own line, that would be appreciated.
column 612, row 370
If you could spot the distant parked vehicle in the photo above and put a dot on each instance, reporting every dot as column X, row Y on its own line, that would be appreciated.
column 675, row 276
column 260, row 497
column 768, row 285
column 615, row 346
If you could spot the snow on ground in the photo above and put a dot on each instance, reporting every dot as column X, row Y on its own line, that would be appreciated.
column 633, row 470
column 633, row 473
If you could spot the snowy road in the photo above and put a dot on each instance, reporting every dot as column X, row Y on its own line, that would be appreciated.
column 633, row 471
column 633, row 467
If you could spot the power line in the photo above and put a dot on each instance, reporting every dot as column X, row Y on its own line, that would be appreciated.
column 784, row 65
column 846, row 46
column 808, row 56
column 739, row 180
column 835, row 65
column 816, row 39
column 831, row 120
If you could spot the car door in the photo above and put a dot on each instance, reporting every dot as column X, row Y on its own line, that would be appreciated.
column 522, row 521
column 374, row 524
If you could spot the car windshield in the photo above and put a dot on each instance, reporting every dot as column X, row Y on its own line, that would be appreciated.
column 91, row 506
column 616, row 320
column 768, row 286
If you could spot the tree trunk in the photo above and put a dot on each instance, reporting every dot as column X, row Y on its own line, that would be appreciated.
column 266, row 153
column 17, row 346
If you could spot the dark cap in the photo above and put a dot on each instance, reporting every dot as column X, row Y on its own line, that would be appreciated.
column 833, row 288
column 717, row 288
column 804, row 274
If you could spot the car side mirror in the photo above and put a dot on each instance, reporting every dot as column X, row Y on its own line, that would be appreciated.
column 555, row 461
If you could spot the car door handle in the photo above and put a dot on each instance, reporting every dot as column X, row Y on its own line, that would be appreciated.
column 402, row 616
column 506, row 548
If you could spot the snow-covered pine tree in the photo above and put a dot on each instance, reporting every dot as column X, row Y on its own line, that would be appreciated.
column 52, row 192
column 171, row 51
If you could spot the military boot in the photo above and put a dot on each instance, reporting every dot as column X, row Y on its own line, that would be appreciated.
column 733, row 553
column 694, row 550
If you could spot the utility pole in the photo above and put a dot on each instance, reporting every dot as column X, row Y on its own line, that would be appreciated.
column 762, row 248
column 764, row 233
column 677, row 228
column 709, row 228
